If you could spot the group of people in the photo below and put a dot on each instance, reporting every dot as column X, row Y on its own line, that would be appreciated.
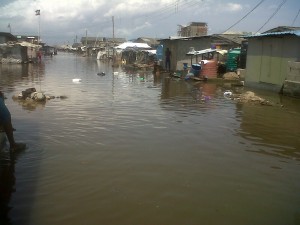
column 6, row 124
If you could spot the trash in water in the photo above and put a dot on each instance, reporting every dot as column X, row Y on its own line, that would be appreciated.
column 76, row 80
column 101, row 74
column 228, row 94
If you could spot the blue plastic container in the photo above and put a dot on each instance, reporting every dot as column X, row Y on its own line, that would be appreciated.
column 195, row 69
column 185, row 66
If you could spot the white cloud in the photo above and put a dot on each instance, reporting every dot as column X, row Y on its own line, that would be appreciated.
column 62, row 20
column 230, row 7
column 234, row 7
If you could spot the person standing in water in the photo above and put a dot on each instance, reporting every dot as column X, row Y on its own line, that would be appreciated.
column 168, row 59
column 5, row 122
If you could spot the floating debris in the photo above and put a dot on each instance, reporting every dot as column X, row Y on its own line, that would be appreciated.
column 250, row 97
column 31, row 99
column 227, row 94
column 62, row 97
column 31, row 93
column 101, row 74
column 76, row 80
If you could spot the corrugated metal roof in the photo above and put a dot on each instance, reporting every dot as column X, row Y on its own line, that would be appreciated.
column 193, row 52
column 282, row 29
column 273, row 34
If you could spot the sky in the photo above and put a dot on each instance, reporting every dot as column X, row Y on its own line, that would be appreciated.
column 67, row 21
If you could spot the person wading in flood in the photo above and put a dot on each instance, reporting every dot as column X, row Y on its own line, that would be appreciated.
column 5, row 122
column 168, row 59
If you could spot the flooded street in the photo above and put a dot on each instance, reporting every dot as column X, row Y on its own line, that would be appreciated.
column 131, row 148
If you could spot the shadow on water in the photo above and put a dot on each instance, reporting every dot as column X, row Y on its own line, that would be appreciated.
column 8, row 161
column 12, row 76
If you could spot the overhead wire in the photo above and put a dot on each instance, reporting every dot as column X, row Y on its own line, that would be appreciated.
column 169, row 9
column 255, row 7
column 179, row 8
column 295, row 18
column 275, row 12
column 166, row 11
column 160, row 14
column 162, row 11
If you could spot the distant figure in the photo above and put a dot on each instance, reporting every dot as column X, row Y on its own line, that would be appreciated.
column 39, row 55
column 237, row 61
column 168, row 59
column 5, row 122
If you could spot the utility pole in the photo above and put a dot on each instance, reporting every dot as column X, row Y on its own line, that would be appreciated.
column 38, row 13
column 113, row 22
column 9, row 26
column 113, row 41
column 86, row 42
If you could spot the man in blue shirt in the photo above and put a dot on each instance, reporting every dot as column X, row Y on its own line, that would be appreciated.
column 168, row 60
column 5, row 122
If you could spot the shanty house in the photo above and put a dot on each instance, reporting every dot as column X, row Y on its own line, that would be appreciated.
column 30, row 39
column 153, row 42
column 10, row 50
column 273, row 58
column 135, row 53
column 6, row 37
column 101, row 41
column 94, row 44
column 180, row 46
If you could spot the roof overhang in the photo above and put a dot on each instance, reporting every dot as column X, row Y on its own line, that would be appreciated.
column 275, row 34
column 204, row 51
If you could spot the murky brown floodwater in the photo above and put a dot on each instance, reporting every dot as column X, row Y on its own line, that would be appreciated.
column 131, row 148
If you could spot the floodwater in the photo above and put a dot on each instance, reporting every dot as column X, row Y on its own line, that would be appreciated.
column 137, row 149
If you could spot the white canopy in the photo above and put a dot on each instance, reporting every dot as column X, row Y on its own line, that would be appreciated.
column 133, row 45
column 193, row 52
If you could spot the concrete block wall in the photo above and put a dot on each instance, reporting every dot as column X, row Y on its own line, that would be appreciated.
column 291, row 86
column 293, row 71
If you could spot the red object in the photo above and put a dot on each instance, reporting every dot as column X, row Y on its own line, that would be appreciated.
column 39, row 55
column 209, row 69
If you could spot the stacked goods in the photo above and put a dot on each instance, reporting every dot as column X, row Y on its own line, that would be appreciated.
column 209, row 69
column 233, row 59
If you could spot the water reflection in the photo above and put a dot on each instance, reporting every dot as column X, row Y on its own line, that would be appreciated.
column 133, row 147
column 14, row 74
column 273, row 130
column 29, row 104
